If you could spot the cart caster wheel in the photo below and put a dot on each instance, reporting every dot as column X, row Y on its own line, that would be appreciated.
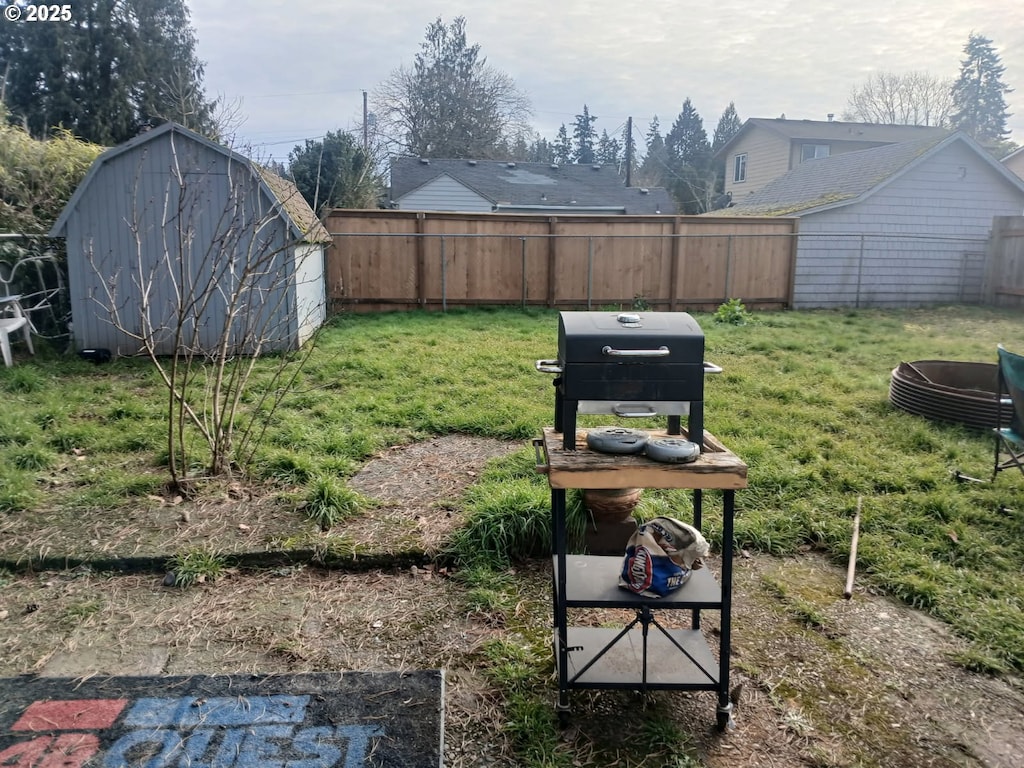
column 563, row 718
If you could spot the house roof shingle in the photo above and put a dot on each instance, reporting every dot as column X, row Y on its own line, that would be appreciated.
column 834, row 131
column 532, row 185
column 841, row 179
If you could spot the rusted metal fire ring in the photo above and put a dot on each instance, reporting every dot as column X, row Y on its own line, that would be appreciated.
column 948, row 390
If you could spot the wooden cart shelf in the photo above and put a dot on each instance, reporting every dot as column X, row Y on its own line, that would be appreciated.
column 643, row 654
column 716, row 468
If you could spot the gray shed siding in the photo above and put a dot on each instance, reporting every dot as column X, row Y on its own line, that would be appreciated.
column 920, row 240
column 125, row 258
column 445, row 194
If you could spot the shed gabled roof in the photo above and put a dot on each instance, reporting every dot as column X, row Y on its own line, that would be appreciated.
column 284, row 194
column 849, row 177
column 532, row 186
column 834, row 130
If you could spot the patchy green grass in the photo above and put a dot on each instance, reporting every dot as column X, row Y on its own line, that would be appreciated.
column 803, row 400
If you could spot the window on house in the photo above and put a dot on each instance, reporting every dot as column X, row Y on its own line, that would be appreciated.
column 813, row 151
column 739, row 168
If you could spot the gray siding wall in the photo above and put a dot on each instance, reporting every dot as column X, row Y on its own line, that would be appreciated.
column 1015, row 163
column 920, row 240
column 444, row 194
column 138, row 240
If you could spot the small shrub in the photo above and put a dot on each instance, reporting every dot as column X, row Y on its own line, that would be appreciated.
column 195, row 567
column 330, row 502
column 641, row 304
column 733, row 312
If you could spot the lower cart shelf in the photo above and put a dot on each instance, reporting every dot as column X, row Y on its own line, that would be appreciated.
column 690, row 664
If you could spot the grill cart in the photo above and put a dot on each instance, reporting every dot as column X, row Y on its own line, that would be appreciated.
column 643, row 654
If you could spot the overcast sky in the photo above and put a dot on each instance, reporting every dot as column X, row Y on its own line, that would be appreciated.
column 299, row 68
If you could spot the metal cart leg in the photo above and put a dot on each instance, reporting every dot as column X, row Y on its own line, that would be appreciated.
column 559, row 545
column 724, row 711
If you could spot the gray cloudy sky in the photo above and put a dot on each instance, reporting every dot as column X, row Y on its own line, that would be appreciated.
column 299, row 68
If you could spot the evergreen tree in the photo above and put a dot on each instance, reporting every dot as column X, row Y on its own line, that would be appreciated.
column 687, row 141
column 563, row 147
column 653, row 170
column 541, row 151
column 451, row 103
column 583, row 135
column 979, row 106
column 115, row 67
column 729, row 125
column 689, row 159
column 334, row 173
column 608, row 149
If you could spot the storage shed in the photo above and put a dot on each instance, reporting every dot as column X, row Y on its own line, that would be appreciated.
column 894, row 226
column 177, row 243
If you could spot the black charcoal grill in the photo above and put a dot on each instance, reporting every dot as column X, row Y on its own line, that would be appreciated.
column 629, row 364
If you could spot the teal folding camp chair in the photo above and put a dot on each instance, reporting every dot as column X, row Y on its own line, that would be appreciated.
column 1010, row 390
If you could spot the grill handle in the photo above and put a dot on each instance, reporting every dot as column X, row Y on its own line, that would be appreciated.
column 633, row 410
column 711, row 367
column 659, row 352
column 548, row 366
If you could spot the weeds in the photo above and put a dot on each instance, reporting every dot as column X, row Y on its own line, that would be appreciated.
column 509, row 517
column 330, row 501
column 733, row 312
column 195, row 566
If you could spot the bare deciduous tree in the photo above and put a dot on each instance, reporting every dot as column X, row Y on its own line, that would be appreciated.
column 913, row 98
column 206, row 291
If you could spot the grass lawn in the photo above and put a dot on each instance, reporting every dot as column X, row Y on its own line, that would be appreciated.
column 803, row 400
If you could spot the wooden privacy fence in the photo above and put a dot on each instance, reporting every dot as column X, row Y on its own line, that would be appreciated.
column 1004, row 281
column 406, row 259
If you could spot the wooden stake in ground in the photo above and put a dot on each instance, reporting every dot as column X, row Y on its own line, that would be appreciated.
column 852, row 567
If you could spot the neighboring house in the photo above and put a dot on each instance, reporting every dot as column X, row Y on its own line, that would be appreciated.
column 486, row 186
column 170, row 217
column 764, row 148
column 1015, row 162
column 898, row 225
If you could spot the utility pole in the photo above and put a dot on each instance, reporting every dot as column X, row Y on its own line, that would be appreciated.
column 629, row 151
column 366, row 128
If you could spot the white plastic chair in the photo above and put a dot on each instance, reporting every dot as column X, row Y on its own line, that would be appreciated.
column 12, row 317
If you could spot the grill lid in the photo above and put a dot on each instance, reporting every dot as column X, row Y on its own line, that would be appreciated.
column 629, row 337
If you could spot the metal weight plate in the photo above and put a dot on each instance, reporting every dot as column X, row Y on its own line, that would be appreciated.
column 616, row 440
column 672, row 450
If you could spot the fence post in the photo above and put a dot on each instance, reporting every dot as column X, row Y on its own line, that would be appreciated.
column 673, row 279
column 444, row 277
column 728, row 268
column 994, row 256
column 421, row 260
column 552, row 251
column 590, row 269
column 523, row 260
column 860, row 272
